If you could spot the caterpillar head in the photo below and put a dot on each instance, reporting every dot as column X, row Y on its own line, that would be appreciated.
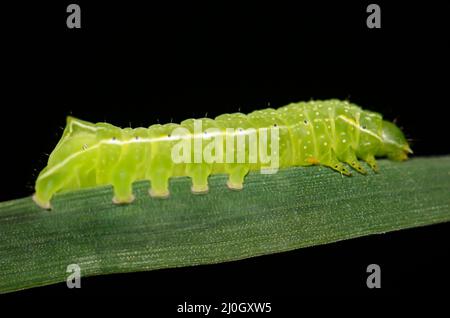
column 394, row 144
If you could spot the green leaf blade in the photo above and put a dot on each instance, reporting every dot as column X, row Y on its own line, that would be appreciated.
column 295, row 208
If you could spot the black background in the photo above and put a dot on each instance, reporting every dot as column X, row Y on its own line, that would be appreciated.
column 135, row 65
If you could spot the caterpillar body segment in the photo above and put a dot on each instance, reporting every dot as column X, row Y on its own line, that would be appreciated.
column 333, row 133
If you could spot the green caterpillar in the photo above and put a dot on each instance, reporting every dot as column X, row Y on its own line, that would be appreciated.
column 331, row 133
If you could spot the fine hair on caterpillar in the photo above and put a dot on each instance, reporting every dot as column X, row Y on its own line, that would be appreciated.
column 332, row 133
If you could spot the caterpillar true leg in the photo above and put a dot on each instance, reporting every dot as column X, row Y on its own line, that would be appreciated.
column 371, row 161
column 337, row 165
column 340, row 167
column 330, row 160
column 350, row 158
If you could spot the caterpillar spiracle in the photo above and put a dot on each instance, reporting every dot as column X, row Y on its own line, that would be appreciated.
column 331, row 133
